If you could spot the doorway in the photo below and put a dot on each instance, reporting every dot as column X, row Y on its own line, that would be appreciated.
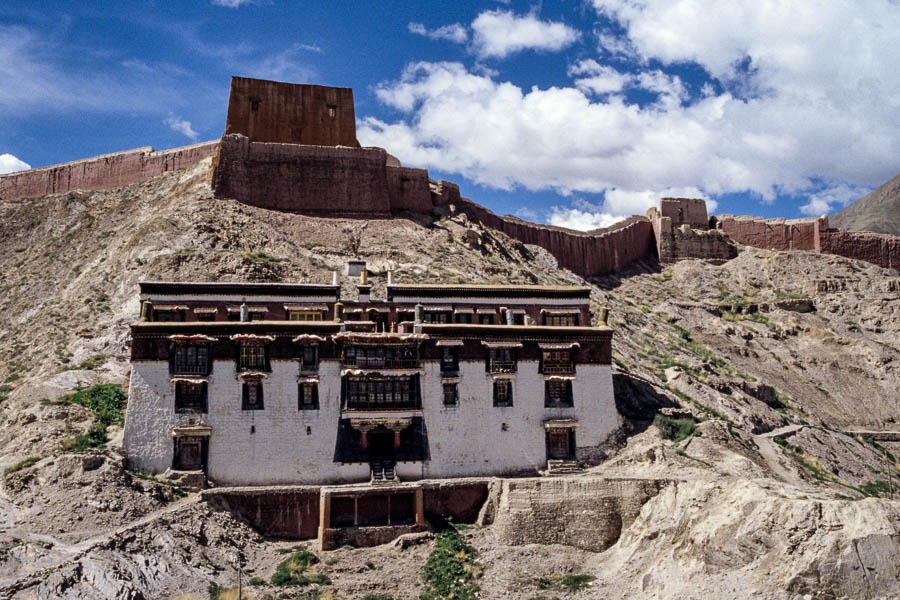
column 559, row 444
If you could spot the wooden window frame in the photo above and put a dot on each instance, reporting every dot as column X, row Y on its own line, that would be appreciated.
column 558, row 398
column 313, row 402
column 257, row 385
column 503, row 392
column 199, row 407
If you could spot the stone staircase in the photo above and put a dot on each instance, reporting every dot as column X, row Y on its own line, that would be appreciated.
column 562, row 467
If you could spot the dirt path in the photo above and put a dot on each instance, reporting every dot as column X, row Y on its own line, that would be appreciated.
column 774, row 455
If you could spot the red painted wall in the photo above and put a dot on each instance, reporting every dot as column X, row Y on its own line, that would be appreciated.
column 101, row 172
column 877, row 248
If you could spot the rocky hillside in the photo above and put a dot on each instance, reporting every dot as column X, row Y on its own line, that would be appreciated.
column 753, row 371
column 878, row 211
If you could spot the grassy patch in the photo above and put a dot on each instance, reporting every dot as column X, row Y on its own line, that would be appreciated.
column 295, row 571
column 93, row 362
column 451, row 569
column 675, row 429
column 800, row 457
column 22, row 464
column 256, row 581
column 875, row 488
column 682, row 453
column 106, row 401
column 378, row 597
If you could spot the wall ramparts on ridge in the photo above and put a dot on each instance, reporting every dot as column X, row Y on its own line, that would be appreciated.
column 586, row 253
column 877, row 248
column 681, row 239
column 774, row 234
column 102, row 172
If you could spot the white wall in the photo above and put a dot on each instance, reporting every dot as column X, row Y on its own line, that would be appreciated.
column 463, row 440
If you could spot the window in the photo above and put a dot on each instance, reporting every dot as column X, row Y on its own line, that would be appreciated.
column 558, row 394
column 234, row 315
column 308, row 396
column 487, row 319
column 332, row 110
column 501, row 360
column 190, row 359
column 567, row 320
column 449, row 360
column 463, row 317
column 252, row 357
column 257, row 315
column 309, row 358
column 206, row 316
column 451, row 394
column 380, row 392
column 557, row 361
column 252, row 395
column 168, row 315
column 503, row 395
column 437, row 317
column 190, row 397
column 304, row 315
column 380, row 357
column 406, row 315
column 518, row 318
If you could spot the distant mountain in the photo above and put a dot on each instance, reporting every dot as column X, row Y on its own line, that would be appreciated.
column 877, row 211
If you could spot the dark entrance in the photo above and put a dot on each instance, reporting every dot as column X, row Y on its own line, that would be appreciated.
column 190, row 454
column 381, row 446
column 559, row 443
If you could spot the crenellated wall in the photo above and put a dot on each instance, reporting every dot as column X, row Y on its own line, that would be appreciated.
column 681, row 230
column 102, row 172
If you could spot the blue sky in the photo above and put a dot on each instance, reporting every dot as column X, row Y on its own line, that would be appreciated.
column 575, row 113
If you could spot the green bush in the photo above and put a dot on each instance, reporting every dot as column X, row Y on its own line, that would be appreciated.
column 22, row 464
column 573, row 583
column 106, row 401
column 675, row 429
column 378, row 597
column 451, row 569
column 292, row 570
column 94, row 437
column 255, row 581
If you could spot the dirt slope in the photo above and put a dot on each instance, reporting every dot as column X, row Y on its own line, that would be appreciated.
column 877, row 211
column 769, row 493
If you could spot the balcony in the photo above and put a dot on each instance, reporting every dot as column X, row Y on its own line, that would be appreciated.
column 191, row 369
column 502, row 366
column 558, row 368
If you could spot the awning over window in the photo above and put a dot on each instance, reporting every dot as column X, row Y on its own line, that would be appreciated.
column 464, row 311
column 205, row 310
column 252, row 337
column 560, row 378
column 237, row 309
column 253, row 375
column 516, row 311
column 438, row 308
column 169, row 307
column 561, row 311
column 501, row 344
column 353, row 310
column 191, row 430
column 486, row 311
column 321, row 307
column 560, row 346
column 380, row 372
column 193, row 380
column 449, row 343
column 192, row 338
column 379, row 309
column 561, row 424
column 308, row 379
column 308, row 338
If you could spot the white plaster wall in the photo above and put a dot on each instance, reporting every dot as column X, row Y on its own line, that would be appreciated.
column 463, row 440
column 468, row 439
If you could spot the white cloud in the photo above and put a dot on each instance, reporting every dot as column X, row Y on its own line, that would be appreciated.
column 831, row 199
column 499, row 33
column 616, row 205
column 454, row 33
column 807, row 98
column 582, row 220
column 526, row 213
column 181, row 126
column 233, row 3
column 9, row 164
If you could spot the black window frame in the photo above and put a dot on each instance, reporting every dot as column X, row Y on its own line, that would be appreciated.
column 245, row 395
column 568, row 400
column 314, row 402
column 508, row 401
column 454, row 397
column 449, row 360
column 188, row 366
column 178, row 314
column 200, row 407
column 313, row 365
column 486, row 319
column 499, row 356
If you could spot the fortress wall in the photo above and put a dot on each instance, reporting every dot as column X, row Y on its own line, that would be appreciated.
column 773, row 234
column 409, row 189
column 291, row 113
column 877, row 248
column 586, row 253
column 315, row 180
column 102, row 172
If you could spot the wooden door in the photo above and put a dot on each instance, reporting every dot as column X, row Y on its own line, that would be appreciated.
column 559, row 443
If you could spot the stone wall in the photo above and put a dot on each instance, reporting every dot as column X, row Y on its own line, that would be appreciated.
column 774, row 234
column 877, row 248
column 101, row 172
column 291, row 513
column 586, row 253
column 587, row 513
column 679, row 241
column 317, row 180
column 290, row 113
